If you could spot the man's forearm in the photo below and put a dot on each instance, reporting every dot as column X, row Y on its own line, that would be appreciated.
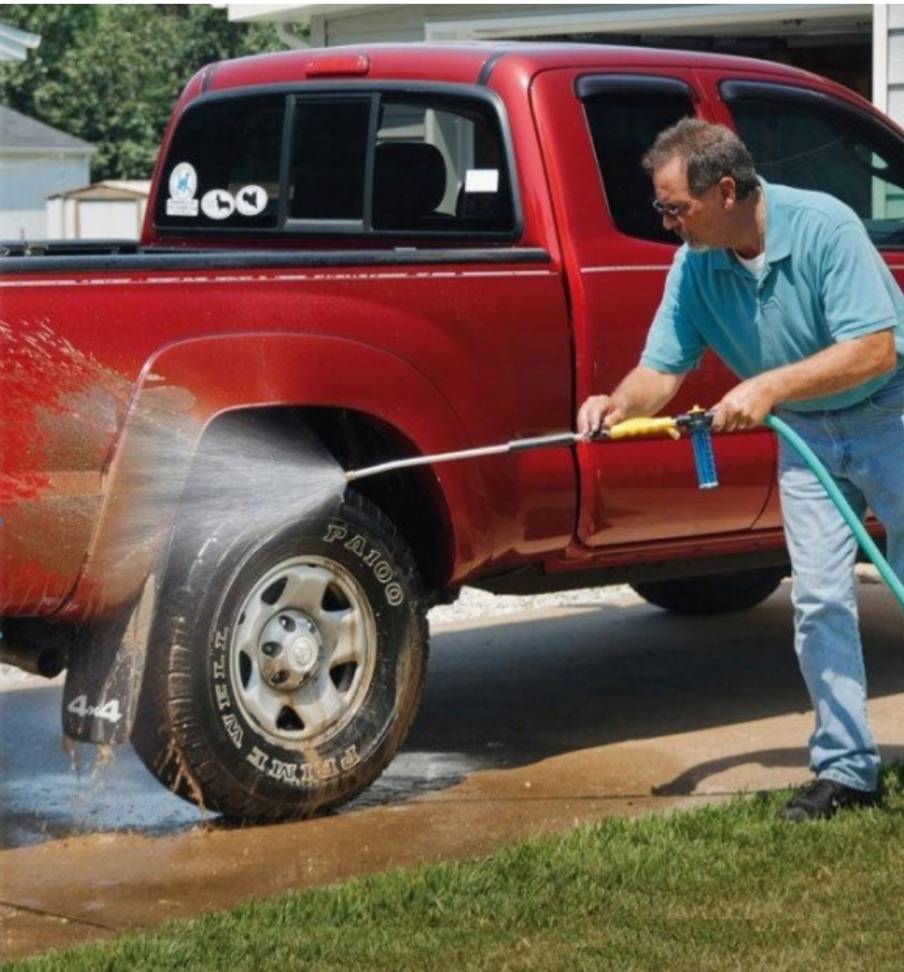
column 834, row 369
column 644, row 392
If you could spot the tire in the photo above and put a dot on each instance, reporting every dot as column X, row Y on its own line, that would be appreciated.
column 714, row 593
column 284, row 671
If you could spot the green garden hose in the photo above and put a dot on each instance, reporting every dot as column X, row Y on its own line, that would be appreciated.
column 844, row 508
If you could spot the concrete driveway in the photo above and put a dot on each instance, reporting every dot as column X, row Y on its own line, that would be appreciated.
column 558, row 711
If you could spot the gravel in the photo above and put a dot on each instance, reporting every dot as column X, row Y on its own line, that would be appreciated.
column 474, row 604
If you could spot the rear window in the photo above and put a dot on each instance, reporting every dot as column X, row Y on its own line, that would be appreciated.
column 401, row 163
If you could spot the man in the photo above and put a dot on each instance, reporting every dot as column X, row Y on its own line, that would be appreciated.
column 787, row 289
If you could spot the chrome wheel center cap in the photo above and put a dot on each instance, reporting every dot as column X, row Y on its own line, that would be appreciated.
column 302, row 653
column 288, row 650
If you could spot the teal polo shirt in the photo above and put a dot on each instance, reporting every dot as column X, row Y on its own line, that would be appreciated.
column 823, row 282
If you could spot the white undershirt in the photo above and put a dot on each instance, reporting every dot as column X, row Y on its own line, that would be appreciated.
column 754, row 265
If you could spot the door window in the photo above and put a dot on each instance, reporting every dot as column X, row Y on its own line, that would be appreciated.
column 811, row 141
column 624, row 116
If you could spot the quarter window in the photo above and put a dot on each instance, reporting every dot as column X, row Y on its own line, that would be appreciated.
column 623, row 124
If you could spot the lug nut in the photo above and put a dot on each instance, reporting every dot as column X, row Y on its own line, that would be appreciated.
column 287, row 623
column 277, row 678
column 270, row 648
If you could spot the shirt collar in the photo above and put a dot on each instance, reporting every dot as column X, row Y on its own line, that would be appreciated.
column 778, row 234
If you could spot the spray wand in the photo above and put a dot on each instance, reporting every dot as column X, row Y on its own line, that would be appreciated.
column 697, row 424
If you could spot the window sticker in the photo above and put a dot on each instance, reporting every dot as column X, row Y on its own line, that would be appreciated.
column 251, row 200
column 482, row 180
column 217, row 204
column 183, row 184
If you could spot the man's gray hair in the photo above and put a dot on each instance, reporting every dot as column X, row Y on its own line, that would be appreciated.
column 709, row 152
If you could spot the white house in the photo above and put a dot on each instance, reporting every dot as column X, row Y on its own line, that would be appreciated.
column 35, row 161
column 859, row 44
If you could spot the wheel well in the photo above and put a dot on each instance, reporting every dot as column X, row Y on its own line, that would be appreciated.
column 411, row 498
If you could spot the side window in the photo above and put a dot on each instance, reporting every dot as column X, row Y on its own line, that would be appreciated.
column 440, row 166
column 815, row 143
column 624, row 120
column 223, row 166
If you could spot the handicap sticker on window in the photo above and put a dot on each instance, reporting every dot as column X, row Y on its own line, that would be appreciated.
column 183, row 184
column 217, row 204
column 482, row 180
column 251, row 200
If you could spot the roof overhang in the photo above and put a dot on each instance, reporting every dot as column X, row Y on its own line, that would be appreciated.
column 291, row 13
column 15, row 44
column 495, row 21
column 104, row 192
column 44, row 151
column 672, row 19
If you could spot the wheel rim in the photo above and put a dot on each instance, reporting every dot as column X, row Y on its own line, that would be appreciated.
column 303, row 649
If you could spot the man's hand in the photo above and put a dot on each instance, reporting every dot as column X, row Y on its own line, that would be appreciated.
column 597, row 413
column 641, row 392
column 745, row 406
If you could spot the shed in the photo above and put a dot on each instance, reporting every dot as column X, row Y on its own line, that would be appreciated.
column 112, row 209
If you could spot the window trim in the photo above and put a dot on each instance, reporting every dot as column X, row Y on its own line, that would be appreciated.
column 740, row 89
column 376, row 89
column 588, row 85
column 736, row 89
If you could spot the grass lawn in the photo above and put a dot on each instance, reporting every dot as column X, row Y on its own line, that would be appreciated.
column 725, row 887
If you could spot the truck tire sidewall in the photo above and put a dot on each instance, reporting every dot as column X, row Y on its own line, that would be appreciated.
column 713, row 594
column 240, row 770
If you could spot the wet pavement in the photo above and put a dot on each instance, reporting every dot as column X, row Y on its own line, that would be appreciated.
column 531, row 722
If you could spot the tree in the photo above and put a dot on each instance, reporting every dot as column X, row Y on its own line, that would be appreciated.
column 110, row 74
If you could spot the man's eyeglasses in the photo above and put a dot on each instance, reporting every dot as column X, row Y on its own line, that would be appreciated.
column 673, row 210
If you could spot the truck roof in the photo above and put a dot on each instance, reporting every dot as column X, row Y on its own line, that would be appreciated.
column 464, row 62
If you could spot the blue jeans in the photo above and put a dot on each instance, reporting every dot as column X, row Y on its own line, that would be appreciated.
column 863, row 449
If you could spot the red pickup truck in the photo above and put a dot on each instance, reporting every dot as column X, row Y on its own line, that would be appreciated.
column 354, row 255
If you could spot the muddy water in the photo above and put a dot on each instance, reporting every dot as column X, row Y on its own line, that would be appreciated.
column 531, row 722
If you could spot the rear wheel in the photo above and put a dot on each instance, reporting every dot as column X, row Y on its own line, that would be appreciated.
column 284, row 671
column 714, row 593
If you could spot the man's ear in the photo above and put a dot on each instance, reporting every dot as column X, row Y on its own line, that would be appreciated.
column 728, row 191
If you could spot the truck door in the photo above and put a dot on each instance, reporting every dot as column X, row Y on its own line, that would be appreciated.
column 595, row 127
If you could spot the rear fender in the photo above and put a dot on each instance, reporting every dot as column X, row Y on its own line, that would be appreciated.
column 186, row 385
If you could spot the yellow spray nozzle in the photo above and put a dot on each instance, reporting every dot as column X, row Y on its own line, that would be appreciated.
column 637, row 427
